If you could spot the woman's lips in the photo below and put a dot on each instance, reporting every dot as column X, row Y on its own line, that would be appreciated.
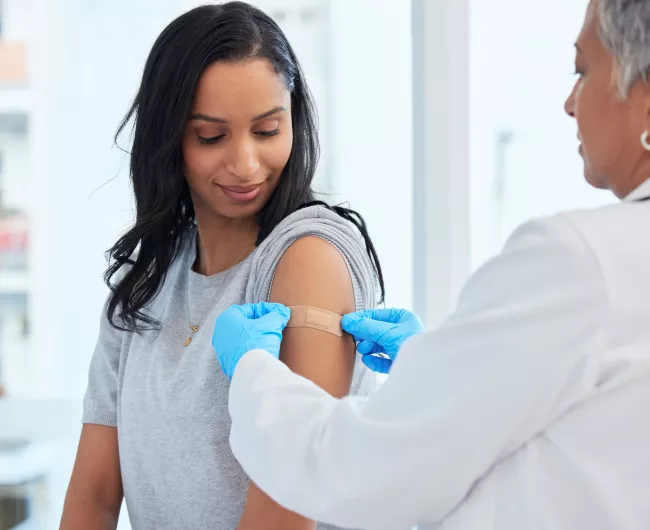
column 241, row 193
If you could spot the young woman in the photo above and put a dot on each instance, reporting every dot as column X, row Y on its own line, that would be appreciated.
column 223, row 157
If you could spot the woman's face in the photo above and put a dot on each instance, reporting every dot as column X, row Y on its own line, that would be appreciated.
column 609, row 128
column 238, row 139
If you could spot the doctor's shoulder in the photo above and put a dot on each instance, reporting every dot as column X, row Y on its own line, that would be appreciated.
column 606, row 242
column 613, row 230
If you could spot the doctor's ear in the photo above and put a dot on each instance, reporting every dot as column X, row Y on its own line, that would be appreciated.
column 646, row 106
column 645, row 136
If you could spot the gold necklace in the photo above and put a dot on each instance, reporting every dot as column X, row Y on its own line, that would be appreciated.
column 188, row 340
column 194, row 329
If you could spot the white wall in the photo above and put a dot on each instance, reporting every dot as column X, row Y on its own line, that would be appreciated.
column 87, row 59
column 16, row 19
column 520, row 77
column 372, row 128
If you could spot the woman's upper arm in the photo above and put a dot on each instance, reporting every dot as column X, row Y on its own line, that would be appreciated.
column 313, row 272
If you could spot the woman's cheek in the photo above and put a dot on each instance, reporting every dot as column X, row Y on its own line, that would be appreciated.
column 279, row 155
column 199, row 165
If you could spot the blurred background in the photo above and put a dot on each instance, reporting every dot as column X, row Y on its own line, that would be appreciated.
column 441, row 122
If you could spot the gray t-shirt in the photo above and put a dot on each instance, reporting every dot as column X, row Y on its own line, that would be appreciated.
column 170, row 402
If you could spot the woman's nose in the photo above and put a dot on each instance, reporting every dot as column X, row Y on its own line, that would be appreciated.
column 243, row 162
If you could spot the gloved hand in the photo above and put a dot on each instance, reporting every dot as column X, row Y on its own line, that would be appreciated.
column 380, row 334
column 242, row 328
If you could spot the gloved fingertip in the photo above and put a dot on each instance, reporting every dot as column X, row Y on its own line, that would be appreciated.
column 371, row 362
column 365, row 347
column 284, row 317
column 367, row 360
column 246, row 310
column 281, row 311
column 380, row 365
column 349, row 321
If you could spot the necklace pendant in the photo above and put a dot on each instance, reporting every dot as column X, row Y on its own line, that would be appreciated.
column 187, row 342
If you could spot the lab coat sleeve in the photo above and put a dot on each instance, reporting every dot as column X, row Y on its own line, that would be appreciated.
column 518, row 352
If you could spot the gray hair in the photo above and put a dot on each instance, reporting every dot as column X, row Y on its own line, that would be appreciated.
column 625, row 31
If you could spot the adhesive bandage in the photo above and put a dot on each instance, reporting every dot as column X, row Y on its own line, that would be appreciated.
column 304, row 316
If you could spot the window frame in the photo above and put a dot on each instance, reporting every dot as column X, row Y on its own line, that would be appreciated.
column 440, row 155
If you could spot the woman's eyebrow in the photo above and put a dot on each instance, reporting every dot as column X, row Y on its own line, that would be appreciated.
column 214, row 119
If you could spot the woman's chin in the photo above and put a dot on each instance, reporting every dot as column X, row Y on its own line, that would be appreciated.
column 233, row 209
column 237, row 211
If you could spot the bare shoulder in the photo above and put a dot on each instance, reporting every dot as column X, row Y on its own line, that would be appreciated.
column 312, row 271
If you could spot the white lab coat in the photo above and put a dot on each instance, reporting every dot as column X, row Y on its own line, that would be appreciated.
column 529, row 408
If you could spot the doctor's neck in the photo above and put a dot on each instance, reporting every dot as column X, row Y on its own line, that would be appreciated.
column 623, row 187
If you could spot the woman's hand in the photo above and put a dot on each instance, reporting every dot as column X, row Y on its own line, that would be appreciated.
column 380, row 334
column 242, row 328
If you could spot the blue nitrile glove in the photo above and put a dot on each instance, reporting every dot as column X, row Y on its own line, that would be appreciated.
column 380, row 334
column 242, row 328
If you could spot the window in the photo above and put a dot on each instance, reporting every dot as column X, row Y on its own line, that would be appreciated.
column 523, row 155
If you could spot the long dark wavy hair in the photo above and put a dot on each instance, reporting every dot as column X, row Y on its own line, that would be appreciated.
column 233, row 32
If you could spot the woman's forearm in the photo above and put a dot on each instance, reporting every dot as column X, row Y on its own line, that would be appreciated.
column 82, row 514
column 95, row 493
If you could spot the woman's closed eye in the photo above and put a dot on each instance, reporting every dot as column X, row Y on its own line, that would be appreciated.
column 268, row 134
column 216, row 139
column 209, row 141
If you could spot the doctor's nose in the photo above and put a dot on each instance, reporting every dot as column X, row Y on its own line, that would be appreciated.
column 570, row 103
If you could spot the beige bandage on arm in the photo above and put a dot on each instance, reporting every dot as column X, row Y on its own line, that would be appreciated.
column 305, row 316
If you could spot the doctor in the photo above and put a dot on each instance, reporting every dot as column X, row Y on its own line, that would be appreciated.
column 529, row 407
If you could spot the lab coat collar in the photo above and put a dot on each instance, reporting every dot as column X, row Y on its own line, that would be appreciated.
column 641, row 192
